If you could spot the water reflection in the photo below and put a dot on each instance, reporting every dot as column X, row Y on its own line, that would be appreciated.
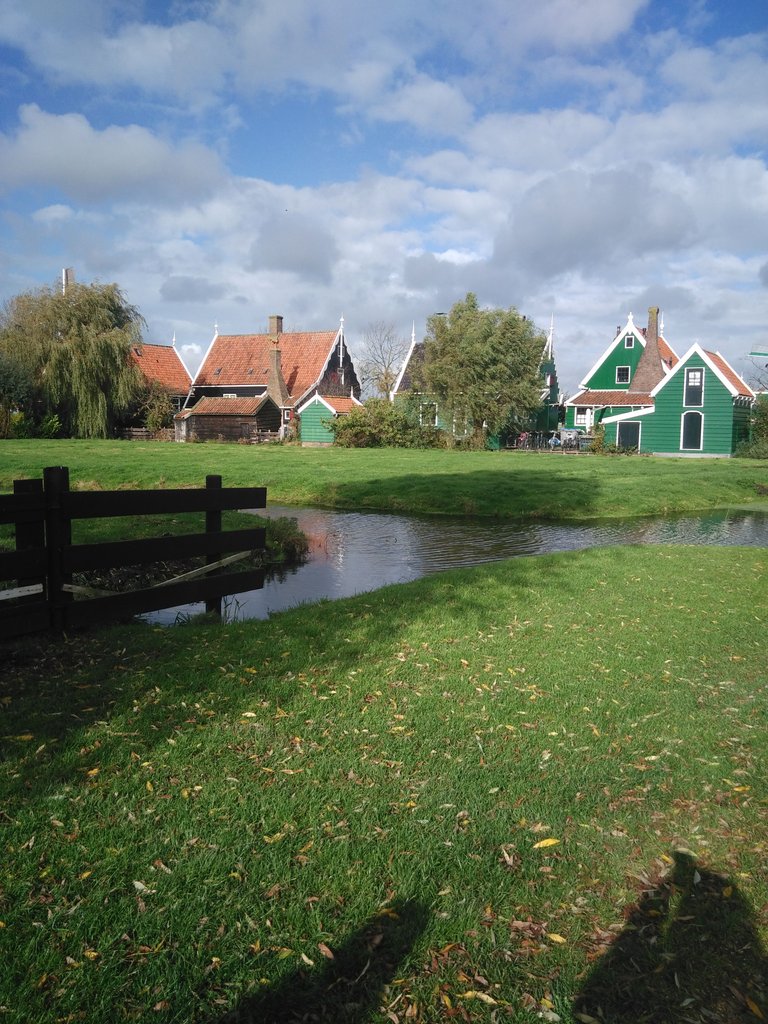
column 352, row 552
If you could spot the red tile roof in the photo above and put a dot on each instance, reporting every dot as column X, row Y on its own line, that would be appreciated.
column 244, row 359
column 162, row 364
column 603, row 398
column 667, row 353
column 730, row 375
column 208, row 406
column 341, row 405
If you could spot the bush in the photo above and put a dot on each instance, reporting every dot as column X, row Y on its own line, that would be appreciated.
column 383, row 424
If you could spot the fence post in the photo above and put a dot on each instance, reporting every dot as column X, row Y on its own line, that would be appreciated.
column 213, row 525
column 58, row 530
column 29, row 534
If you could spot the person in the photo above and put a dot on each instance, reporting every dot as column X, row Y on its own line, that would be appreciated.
column 554, row 442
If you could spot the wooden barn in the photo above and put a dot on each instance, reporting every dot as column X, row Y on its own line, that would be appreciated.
column 247, row 420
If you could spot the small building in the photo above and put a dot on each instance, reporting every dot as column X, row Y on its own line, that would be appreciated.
column 246, row 420
column 649, row 399
column 289, row 366
column 316, row 414
column 162, row 365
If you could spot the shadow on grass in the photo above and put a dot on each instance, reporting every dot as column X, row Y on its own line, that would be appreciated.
column 689, row 952
column 346, row 988
column 510, row 490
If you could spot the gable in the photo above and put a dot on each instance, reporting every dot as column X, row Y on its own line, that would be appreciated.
column 162, row 365
column 243, row 359
column 716, row 369
column 623, row 355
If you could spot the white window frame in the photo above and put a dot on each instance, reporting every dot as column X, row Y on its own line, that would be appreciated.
column 692, row 412
column 581, row 416
column 629, row 341
column 629, row 374
column 229, row 394
column 639, row 431
column 686, row 403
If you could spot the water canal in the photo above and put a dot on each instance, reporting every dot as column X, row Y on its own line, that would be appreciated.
column 354, row 552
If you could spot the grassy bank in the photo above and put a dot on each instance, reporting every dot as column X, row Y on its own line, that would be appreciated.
column 506, row 484
column 433, row 802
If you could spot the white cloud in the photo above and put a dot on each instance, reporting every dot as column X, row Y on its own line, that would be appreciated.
column 66, row 153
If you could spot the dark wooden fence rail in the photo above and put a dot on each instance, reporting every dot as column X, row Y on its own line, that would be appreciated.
column 45, row 558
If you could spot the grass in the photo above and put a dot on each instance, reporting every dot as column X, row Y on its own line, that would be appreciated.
column 504, row 484
column 455, row 799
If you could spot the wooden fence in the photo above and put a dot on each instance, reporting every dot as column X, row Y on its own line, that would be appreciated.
column 45, row 559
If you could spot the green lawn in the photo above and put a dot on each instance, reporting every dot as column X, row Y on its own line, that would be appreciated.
column 506, row 484
column 457, row 799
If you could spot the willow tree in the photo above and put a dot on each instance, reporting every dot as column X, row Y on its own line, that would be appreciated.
column 482, row 365
column 76, row 345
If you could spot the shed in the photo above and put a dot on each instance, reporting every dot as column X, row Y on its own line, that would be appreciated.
column 229, row 419
column 317, row 412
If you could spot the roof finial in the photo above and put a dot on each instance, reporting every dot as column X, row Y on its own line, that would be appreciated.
column 216, row 330
column 413, row 333
column 174, row 339
column 661, row 325
column 549, row 348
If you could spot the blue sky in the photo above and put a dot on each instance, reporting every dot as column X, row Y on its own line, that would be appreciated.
column 225, row 160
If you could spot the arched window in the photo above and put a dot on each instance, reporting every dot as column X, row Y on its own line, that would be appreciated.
column 691, row 431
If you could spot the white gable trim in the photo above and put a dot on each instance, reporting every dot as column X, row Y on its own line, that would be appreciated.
column 311, row 401
column 339, row 337
column 696, row 349
column 205, row 357
column 403, row 368
column 629, row 329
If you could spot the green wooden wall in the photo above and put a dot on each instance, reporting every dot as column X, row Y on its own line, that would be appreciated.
column 314, row 424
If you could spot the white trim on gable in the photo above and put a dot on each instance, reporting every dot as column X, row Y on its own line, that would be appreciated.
column 404, row 367
column 699, row 351
column 619, row 339
column 339, row 337
column 203, row 362
column 315, row 398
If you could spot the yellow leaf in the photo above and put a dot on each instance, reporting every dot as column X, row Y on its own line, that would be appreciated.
column 755, row 1008
column 92, row 954
column 482, row 996
column 554, row 937
column 728, row 891
column 92, row 772
column 544, row 843
column 25, row 737
column 185, row 794
column 150, row 787
column 275, row 838
column 85, row 874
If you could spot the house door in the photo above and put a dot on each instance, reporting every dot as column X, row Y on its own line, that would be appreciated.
column 691, row 431
column 628, row 435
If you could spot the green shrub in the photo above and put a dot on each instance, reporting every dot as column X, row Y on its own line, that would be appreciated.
column 383, row 424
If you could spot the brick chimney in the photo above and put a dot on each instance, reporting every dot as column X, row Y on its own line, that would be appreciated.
column 275, row 325
column 650, row 367
column 276, row 387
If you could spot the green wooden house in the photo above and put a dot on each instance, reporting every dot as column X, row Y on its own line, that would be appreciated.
column 316, row 414
column 407, row 387
column 648, row 399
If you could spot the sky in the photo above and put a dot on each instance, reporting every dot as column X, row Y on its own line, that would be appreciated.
column 224, row 160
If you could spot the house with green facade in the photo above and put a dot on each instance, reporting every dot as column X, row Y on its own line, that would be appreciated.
column 649, row 399
column 545, row 419
column 316, row 415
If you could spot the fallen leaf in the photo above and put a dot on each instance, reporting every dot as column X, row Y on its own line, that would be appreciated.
column 327, row 953
column 544, row 843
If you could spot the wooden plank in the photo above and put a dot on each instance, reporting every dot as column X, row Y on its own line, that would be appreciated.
column 107, row 555
column 32, row 617
column 204, row 570
column 83, row 613
column 22, row 508
column 102, row 504
column 28, row 591
column 16, row 564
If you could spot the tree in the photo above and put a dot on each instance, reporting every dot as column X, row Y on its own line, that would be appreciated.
column 383, row 355
column 482, row 365
column 75, row 346
column 16, row 390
